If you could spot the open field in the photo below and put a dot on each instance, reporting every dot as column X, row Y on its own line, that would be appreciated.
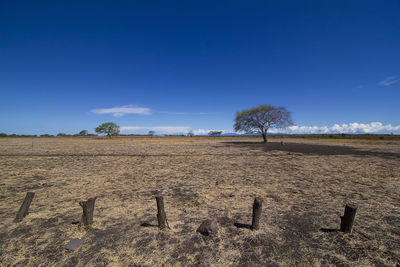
column 304, row 185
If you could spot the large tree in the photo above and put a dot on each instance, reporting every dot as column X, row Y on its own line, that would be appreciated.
column 260, row 119
column 109, row 128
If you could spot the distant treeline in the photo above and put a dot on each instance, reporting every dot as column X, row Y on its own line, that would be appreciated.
column 43, row 135
column 333, row 136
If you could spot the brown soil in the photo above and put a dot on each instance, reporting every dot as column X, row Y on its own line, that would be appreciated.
column 304, row 185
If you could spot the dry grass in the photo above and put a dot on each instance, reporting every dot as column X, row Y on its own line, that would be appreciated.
column 304, row 189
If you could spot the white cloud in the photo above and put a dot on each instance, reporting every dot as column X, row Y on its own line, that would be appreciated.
column 123, row 110
column 157, row 129
column 389, row 81
column 354, row 128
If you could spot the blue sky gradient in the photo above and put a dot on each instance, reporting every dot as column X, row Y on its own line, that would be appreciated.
column 194, row 64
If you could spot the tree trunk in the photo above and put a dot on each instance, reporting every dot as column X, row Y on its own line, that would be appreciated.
column 264, row 135
column 161, row 216
column 257, row 208
column 23, row 210
column 87, row 215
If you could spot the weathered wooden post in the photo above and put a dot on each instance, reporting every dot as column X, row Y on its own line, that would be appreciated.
column 257, row 208
column 88, row 209
column 348, row 218
column 23, row 210
column 161, row 216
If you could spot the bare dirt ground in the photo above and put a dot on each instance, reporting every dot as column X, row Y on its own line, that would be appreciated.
column 304, row 185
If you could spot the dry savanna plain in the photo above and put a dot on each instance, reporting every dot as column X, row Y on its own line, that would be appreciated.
column 304, row 184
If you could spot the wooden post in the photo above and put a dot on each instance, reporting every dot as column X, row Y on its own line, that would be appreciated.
column 348, row 218
column 257, row 207
column 161, row 216
column 23, row 210
column 88, row 208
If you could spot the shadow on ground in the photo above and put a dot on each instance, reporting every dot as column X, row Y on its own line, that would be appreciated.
column 242, row 225
column 312, row 149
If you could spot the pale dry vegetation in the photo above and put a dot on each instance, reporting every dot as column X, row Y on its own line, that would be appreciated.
column 304, row 188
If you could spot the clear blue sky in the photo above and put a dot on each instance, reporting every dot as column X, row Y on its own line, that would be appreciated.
column 193, row 64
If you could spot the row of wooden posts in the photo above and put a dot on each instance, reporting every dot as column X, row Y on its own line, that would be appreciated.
column 88, row 207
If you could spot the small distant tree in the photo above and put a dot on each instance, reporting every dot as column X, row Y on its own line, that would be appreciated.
column 151, row 133
column 83, row 133
column 261, row 118
column 190, row 133
column 108, row 128
column 61, row 134
column 215, row 133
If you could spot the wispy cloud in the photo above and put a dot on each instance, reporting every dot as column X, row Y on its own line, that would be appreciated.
column 130, row 109
column 157, row 129
column 123, row 110
column 352, row 128
column 389, row 81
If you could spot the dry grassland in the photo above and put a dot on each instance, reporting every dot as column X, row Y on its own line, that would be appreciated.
column 304, row 184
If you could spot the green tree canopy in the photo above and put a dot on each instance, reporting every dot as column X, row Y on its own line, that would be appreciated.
column 83, row 133
column 109, row 128
column 261, row 118
column 190, row 133
column 215, row 133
